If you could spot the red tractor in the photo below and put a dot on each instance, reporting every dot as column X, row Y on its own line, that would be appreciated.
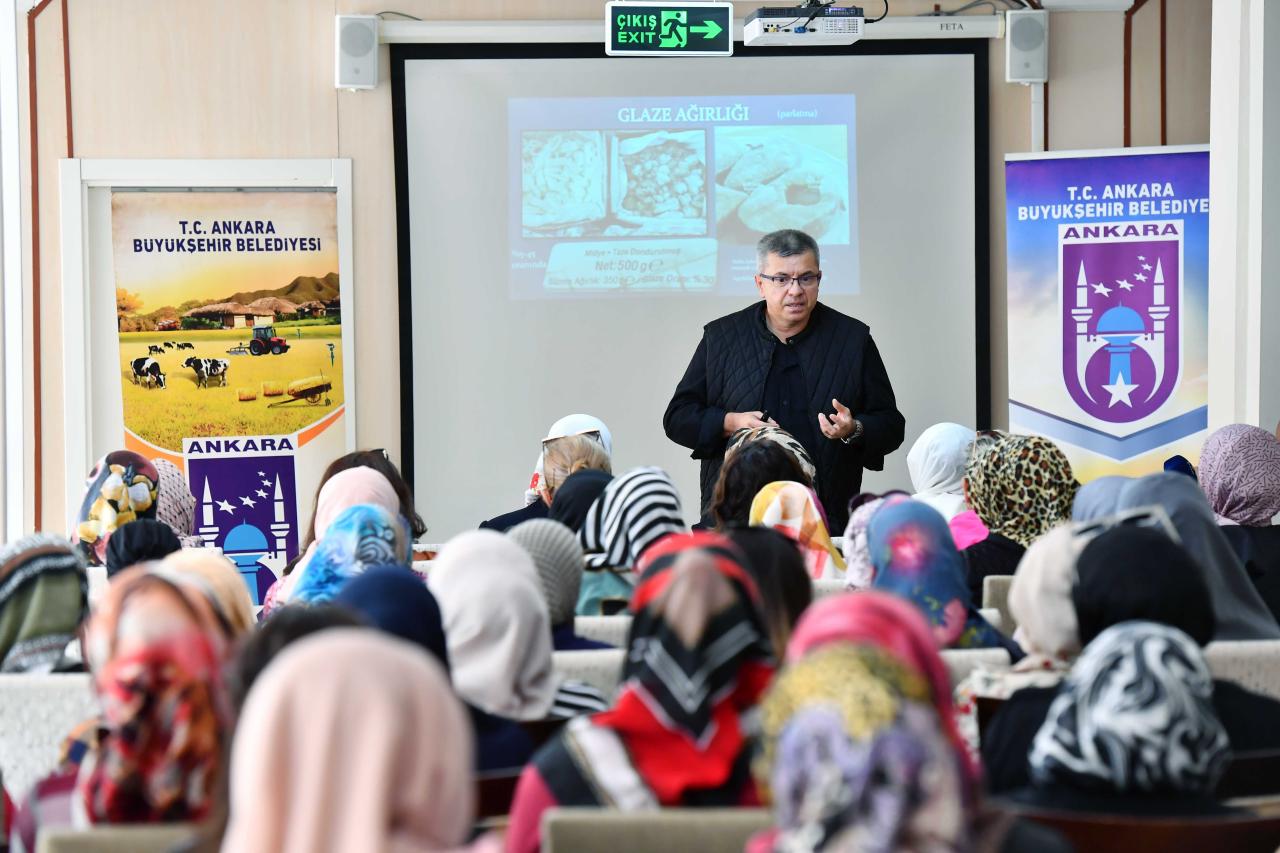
column 266, row 341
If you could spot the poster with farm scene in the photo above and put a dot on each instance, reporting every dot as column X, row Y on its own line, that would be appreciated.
column 228, row 308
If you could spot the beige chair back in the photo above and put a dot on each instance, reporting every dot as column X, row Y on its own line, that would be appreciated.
column 602, row 669
column 961, row 662
column 996, row 618
column 37, row 712
column 579, row 830
column 1253, row 664
column 115, row 839
column 995, row 593
column 824, row 588
column 604, row 629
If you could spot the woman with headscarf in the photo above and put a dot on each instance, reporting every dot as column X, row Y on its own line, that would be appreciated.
column 915, row 559
column 859, row 573
column 1133, row 729
column 774, row 435
column 632, row 513
column 1240, row 475
column 395, row 600
column 139, row 541
column 1021, row 486
column 675, row 736
column 534, row 505
column 121, row 487
column 1098, row 498
column 1040, row 603
column 220, row 581
column 44, row 596
column 345, row 489
column 557, row 556
column 156, row 650
column 749, row 469
column 362, row 536
column 499, row 632
column 575, row 496
column 937, row 463
column 776, row 566
column 794, row 509
column 175, row 504
column 856, row 747
column 304, row 779
column 1129, row 571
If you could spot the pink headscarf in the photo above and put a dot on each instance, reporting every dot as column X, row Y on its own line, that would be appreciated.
column 351, row 740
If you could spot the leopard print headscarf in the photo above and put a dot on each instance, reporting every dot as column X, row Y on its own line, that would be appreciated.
column 1021, row 486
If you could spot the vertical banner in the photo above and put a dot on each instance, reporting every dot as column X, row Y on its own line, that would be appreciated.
column 229, row 310
column 1108, row 270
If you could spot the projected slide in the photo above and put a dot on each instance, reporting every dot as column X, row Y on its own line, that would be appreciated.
column 652, row 195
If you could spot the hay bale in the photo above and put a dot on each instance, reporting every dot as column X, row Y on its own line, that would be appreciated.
column 309, row 385
column 273, row 389
column 246, row 394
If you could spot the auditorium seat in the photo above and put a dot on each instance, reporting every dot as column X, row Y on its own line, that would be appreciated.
column 1099, row 833
column 996, row 618
column 604, row 629
column 602, row 668
column 1253, row 664
column 114, row 839
column 36, row 714
column 995, row 593
column 704, row 830
column 823, row 588
column 960, row 662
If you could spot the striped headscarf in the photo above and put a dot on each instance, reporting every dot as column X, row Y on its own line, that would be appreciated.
column 634, row 511
column 44, row 595
column 1021, row 486
column 1240, row 475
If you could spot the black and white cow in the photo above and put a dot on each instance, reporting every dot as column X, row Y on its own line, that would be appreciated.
column 155, row 350
column 168, row 344
column 147, row 370
column 184, row 345
column 207, row 368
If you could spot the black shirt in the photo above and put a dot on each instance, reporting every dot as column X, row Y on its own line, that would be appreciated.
column 785, row 396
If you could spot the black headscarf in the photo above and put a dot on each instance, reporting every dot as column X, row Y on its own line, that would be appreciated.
column 395, row 599
column 139, row 541
column 576, row 495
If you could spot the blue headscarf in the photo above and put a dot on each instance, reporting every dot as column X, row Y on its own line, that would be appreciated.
column 1181, row 465
column 362, row 536
column 916, row 559
column 1098, row 498
column 396, row 600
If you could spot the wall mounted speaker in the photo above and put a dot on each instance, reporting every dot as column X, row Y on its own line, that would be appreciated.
column 1026, row 47
column 355, row 51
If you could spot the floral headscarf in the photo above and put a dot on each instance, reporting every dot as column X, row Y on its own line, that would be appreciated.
column 362, row 536
column 121, row 487
column 915, row 559
column 1240, row 475
column 794, row 510
column 1021, row 486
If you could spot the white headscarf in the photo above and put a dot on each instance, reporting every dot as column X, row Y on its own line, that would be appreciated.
column 568, row 425
column 496, row 624
column 936, row 464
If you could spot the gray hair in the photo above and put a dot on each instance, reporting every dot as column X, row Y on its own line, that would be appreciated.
column 784, row 244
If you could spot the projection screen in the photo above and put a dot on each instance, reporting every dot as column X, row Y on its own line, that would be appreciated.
column 569, row 222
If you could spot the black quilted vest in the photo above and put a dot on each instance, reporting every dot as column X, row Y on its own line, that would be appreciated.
column 739, row 352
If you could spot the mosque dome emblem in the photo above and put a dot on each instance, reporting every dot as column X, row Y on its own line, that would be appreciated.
column 245, row 538
column 1121, row 320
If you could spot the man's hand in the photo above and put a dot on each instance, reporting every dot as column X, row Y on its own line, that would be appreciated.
column 734, row 421
column 837, row 426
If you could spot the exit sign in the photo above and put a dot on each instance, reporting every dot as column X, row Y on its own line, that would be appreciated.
column 679, row 29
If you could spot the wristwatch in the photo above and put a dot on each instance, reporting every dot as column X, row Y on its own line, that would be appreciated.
column 855, row 435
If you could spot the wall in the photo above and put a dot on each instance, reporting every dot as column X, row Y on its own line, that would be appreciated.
column 243, row 78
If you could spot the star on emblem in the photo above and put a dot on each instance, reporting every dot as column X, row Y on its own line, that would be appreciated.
column 249, row 502
column 266, row 482
column 264, row 473
column 1142, row 257
column 1124, row 282
column 226, row 507
column 1126, row 286
column 1101, row 289
column 1140, row 277
column 1120, row 392
column 260, row 493
column 1145, row 267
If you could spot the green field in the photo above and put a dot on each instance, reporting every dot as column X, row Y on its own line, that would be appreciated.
column 184, row 410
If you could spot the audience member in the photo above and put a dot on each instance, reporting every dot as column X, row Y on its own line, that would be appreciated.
column 1133, row 729
column 499, row 632
column 564, row 457
column 395, row 600
column 535, row 506
column 1020, row 486
column 859, row 572
column 794, row 509
column 44, row 597
column 221, row 582
column 351, row 741
column 122, row 486
column 141, row 541
column 746, row 471
column 937, row 463
column 175, row 505
column 374, row 460
column 634, row 511
column 1129, row 573
column 1040, row 603
column 775, row 564
column 557, row 556
column 362, row 536
column 675, row 736
column 915, row 559
column 1099, row 498
column 1181, row 465
column 779, row 436
column 576, row 495
column 1240, row 475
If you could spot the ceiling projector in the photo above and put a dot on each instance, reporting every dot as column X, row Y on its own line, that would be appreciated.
column 791, row 26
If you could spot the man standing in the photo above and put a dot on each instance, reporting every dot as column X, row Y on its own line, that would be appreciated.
column 790, row 361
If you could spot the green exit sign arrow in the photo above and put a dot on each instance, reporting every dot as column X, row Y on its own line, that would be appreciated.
column 678, row 29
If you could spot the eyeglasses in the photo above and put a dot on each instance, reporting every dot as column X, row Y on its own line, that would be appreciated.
column 593, row 434
column 808, row 281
